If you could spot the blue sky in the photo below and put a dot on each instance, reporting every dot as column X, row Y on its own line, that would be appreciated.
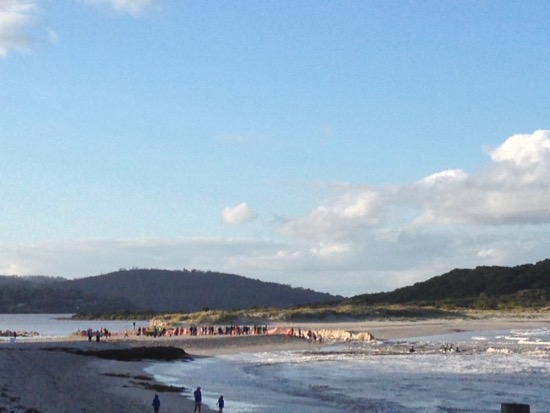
column 347, row 147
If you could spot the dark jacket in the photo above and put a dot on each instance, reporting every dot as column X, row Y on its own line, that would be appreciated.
column 156, row 403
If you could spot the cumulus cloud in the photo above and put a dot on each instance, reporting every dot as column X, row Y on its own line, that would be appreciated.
column 133, row 7
column 344, row 216
column 237, row 215
column 15, row 17
column 450, row 218
column 513, row 189
column 524, row 150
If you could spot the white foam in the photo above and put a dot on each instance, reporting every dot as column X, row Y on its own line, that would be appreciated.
column 381, row 377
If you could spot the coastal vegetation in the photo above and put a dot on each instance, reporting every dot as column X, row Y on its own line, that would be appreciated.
column 315, row 313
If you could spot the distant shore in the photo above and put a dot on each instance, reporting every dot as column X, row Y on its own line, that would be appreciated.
column 48, row 376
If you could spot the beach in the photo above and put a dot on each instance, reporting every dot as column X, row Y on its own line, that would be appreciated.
column 54, row 375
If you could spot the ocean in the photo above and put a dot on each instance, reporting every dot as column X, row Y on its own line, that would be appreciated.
column 59, row 325
column 490, row 368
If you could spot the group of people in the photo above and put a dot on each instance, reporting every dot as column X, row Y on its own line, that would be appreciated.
column 193, row 330
column 103, row 332
column 197, row 394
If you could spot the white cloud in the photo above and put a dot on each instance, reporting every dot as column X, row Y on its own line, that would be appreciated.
column 15, row 17
column 346, row 215
column 513, row 189
column 445, row 177
column 330, row 249
column 360, row 206
column 133, row 7
column 490, row 254
column 524, row 150
column 237, row 215
column 287, row 255
column 71, row 257
column 443, row 221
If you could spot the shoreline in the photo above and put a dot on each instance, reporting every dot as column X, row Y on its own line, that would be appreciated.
column 52, row 375
column 47, row 375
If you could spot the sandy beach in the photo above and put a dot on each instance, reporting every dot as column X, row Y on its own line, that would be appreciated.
column 53, row 376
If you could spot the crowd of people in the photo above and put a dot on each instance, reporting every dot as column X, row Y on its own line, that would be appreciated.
column 210, row 330
column 205, row 330
column 192, row 330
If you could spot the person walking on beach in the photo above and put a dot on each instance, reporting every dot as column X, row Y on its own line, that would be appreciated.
column 156, row 403
column 198, row 400
column 220, row 404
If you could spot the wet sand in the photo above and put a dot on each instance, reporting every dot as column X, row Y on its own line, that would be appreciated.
column 56, row 376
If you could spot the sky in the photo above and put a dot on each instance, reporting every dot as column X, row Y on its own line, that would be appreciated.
column 344, row 146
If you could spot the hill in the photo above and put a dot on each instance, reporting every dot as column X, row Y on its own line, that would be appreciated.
column 480, row 288
column 150, row 290
column 154, row 291
column 167, row 291
column 40, row 294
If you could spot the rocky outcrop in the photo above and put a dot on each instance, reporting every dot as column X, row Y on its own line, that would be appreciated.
column 337, row 335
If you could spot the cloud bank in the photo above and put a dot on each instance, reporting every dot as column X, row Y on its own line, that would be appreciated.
column 365, row 239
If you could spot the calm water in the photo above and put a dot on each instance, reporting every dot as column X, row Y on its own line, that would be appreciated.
column 55, row 325
column 491, row 368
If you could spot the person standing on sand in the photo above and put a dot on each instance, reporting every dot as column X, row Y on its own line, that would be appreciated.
column 198, row 400
column 156, row 403
column 220, row 404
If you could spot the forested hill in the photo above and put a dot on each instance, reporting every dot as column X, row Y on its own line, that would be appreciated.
column 164, row 290
column 483, row 288
column 150, row 289
column 140, row 290
column 41, row 294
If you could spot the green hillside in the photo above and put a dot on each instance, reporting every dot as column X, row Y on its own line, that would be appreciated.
column 480, row 288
